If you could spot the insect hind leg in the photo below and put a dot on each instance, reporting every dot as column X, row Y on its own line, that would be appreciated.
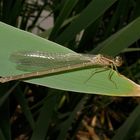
column 111, row 72
column 95, row 72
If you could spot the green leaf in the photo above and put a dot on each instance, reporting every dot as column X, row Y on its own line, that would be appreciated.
column 120, row 40
column 45, row 117
column 6, row 91
column 89, row 15
column 64, row 127
column 4, row 121
column 84, row 81
column 130, row 130
column 66, row 10
column 20, row 97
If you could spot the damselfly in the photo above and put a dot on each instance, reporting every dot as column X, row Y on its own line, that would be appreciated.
column 39, row 63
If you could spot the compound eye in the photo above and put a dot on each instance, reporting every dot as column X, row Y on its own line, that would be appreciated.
column 118, row 61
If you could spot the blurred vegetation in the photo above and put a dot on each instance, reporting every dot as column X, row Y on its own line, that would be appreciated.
column 38, row 113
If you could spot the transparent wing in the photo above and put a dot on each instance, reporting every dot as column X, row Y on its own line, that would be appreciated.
column 36, row 60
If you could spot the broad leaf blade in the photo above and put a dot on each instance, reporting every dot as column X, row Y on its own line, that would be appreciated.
column 13, row 39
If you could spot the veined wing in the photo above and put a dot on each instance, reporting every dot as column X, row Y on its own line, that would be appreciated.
column 37, row 60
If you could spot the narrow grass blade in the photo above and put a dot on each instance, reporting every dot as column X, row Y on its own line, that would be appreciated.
column 89, row 15
column 120, row 40
column 130, row 129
